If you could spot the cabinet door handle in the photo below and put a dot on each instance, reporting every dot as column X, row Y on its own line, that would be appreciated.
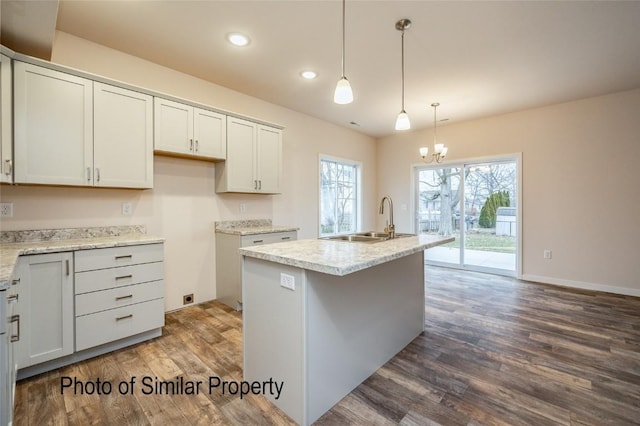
column 15, row 282
column 260, row 185
column 97, row 174
column 124, row 317
column 255, row 184
column 66, row 262
column 124, row 256
column 124, row 277
column 13, row 298
column 128, row 296
column 16, row 319
column 88, row 174
column 197, row 147
column 9, row 167
column 258, row 241
column 286, row 238
column 190, row 144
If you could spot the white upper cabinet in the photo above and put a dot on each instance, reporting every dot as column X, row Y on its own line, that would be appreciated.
column 123, row 137
column 269, row 159
column 53, row 126
column 6, row 120
column 71, row 130
column 184, row 130
column 254, row 159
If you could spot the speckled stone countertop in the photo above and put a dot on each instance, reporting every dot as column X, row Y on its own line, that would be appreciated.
column 16, row 243
column 342, row 257
column 251, row 227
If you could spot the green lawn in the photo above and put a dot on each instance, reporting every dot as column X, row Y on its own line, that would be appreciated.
column 486, row 241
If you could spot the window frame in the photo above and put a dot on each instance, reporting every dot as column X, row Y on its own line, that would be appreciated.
column 357, row 197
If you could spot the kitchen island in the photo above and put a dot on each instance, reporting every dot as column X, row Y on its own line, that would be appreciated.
column 321, row 316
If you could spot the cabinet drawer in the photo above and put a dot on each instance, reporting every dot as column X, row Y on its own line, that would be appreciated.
column 104, row 279
column 273, row 237
column 88, row 260
column 107, row 326
column 97, row 301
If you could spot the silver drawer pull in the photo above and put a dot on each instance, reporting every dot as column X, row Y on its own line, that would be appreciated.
column 13, row 298
column 286, row 238
column 124, row 277
column 124, row 317
column 16, row 319
column 126, row 256
column 15, row 282
column 128, row 296
column 258, row 241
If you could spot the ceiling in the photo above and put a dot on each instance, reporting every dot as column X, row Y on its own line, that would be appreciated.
column 476, row 58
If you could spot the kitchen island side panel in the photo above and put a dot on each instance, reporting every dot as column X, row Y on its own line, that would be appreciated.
column 273, row 331
column 356, row 323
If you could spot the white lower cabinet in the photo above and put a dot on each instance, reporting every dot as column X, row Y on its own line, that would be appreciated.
column 75, row 305
column 119, row 292
column 229, row 262
column 45, row 307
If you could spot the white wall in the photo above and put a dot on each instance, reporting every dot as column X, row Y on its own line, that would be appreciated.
column 580, row 184
column 183, row 204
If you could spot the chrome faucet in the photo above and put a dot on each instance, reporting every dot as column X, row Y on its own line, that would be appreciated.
column 390, row 228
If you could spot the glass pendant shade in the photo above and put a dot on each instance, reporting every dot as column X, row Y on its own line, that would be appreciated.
column 402, row 122
column 424, row 151
column 343, row 94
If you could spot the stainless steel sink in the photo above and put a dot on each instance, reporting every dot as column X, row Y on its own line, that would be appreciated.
column 366, row 237
column 354, row 238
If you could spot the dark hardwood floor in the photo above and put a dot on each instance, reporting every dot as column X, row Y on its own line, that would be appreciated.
column 495, row 351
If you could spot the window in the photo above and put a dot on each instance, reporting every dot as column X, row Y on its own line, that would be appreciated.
column 339, row 196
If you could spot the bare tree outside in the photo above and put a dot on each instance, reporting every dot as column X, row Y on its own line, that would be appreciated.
column 338, row 197
column 439, row 202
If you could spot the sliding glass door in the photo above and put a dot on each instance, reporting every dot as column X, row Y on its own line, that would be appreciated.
column 477, row 203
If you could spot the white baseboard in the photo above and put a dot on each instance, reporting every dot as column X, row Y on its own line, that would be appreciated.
column 582, row 285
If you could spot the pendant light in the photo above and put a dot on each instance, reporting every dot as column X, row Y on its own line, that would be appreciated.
column 439, row 150
column 402, row 122
column 343, row 94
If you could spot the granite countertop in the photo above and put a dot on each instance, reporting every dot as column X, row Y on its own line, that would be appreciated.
column 342, row 257
column 16, row 243
column 251, row 227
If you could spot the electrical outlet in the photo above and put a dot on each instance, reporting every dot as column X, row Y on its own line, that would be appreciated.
column 288, row 281
column 547, row 254
column 243, row 207
column 6, row 209
column 187, row 299
column 127, row 209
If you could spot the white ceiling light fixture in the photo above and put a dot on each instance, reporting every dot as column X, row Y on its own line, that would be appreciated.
column 308, row 74
column 402, row 122
column 238, row 39
column 439, row 150
column 343, row 94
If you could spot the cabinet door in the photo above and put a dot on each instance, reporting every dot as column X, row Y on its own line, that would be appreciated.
column 269, row 161
column 210, row 134
column 53, row 126
column 6, row 121
column 241, row 155
column 45, row 307
column 123, row 137
column 173, row 124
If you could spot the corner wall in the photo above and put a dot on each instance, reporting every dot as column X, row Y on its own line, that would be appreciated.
column 183, row 205
column 580, row 184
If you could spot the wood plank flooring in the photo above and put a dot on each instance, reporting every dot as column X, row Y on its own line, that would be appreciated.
column 495, row 351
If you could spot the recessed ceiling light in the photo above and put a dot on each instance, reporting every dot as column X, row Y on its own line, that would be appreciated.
column 309, row 75
column 238, row 39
